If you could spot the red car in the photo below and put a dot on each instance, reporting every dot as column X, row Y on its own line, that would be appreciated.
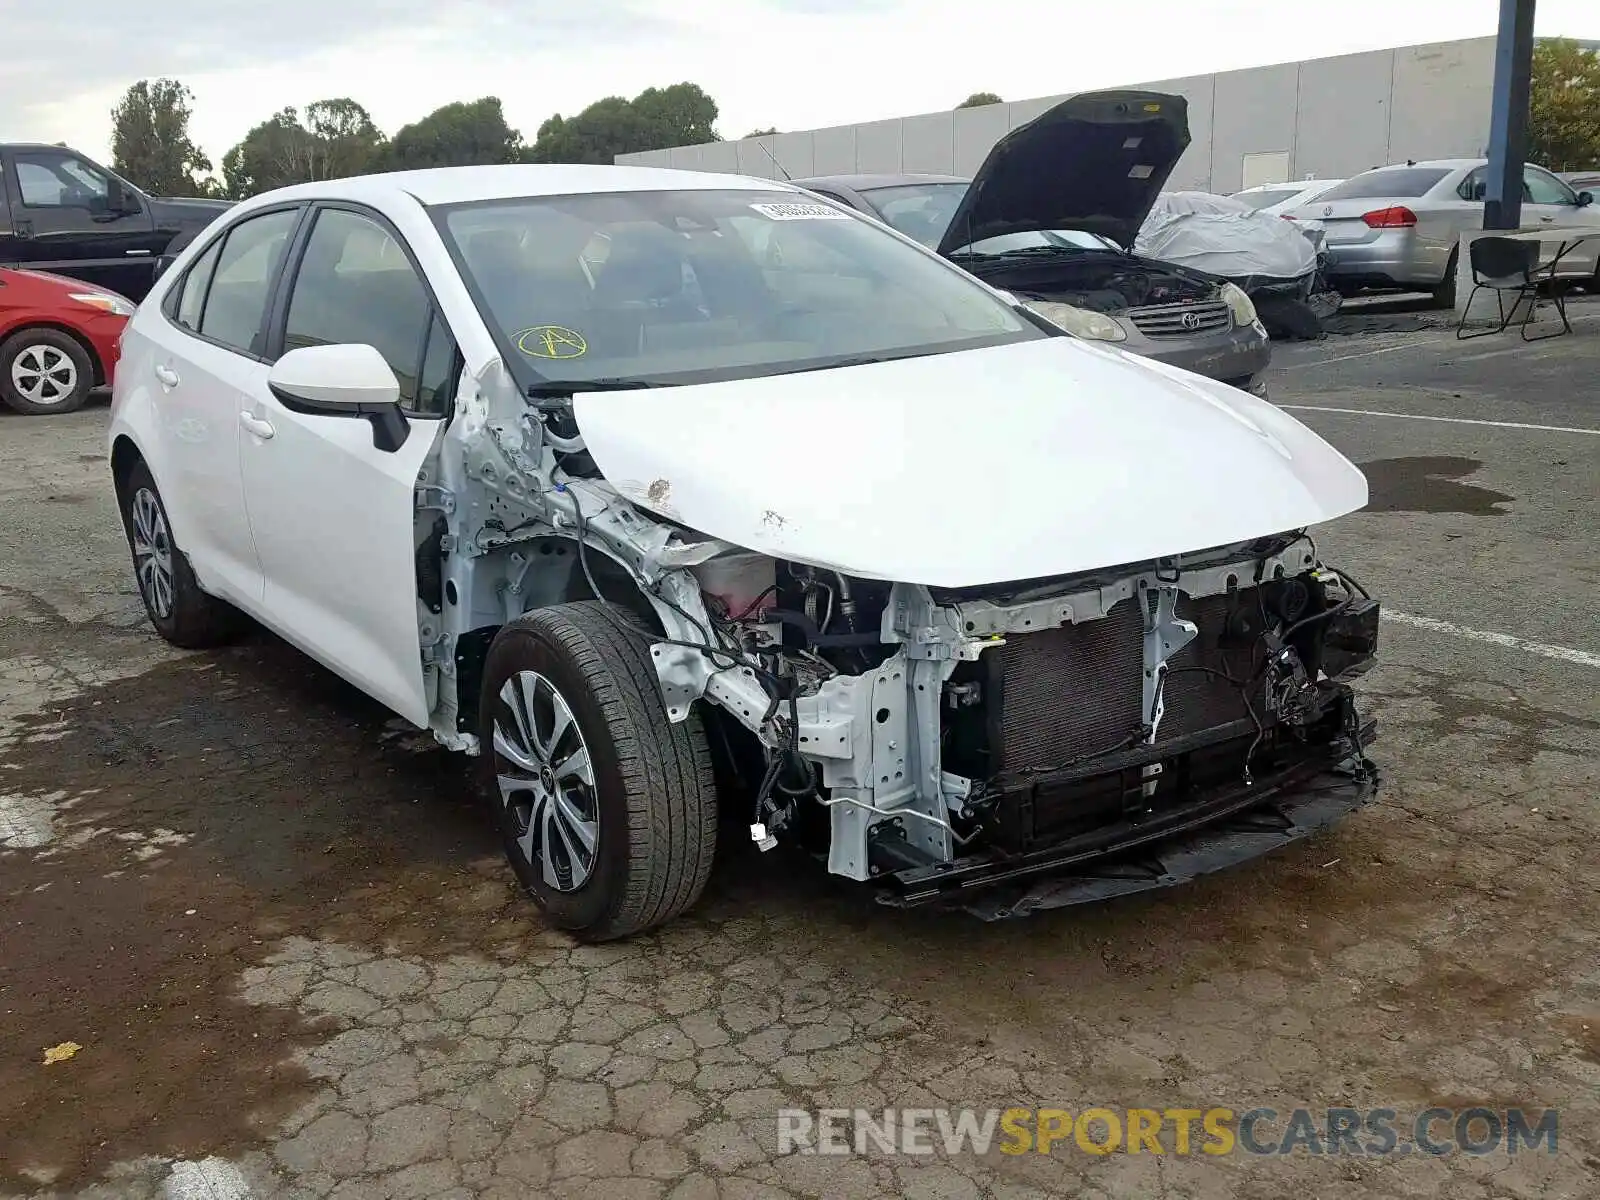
column 58, row 340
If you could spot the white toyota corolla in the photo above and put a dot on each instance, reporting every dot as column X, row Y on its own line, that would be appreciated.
column 551, row 461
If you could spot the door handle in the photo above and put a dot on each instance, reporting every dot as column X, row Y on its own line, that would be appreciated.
column 167, row 376
column 259, row 426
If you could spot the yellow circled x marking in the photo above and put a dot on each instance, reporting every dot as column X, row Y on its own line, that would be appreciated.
column 551, row 341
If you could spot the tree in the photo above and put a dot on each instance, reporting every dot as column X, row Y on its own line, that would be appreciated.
column 150, row 142
column 337, row 138
column 1564, row 112
column 761, row 133
column 979, row 99
column 462, row 134
column 351, row 143
column 655, row 119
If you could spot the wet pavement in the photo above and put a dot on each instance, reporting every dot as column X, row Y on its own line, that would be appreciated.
column 279, row 932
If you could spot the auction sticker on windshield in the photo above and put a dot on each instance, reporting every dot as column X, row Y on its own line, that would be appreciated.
column 800, row 212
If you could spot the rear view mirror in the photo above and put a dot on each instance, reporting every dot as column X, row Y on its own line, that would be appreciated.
column 342, row 381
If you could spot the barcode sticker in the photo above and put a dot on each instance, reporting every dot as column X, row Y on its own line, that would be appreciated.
column 800, row 212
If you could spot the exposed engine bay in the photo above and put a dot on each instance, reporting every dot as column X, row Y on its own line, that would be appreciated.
column 937, row 740
column 1101, row 281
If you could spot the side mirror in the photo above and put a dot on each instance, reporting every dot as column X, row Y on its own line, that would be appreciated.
column 343, row 381
column 124, row 200
column 1585, row 199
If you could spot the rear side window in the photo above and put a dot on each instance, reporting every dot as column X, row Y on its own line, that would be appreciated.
column 1399, row 182
column 236, row 301
column 355, row 285
column 192, row 291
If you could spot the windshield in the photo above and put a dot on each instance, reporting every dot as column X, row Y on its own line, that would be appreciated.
column 696, row 286
column 1259, row 200
column 924, row 211
column 1400, row 182
column 919, row 210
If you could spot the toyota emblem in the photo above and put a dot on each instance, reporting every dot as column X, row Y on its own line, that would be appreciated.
column 1191, row 320
column 1327, row 210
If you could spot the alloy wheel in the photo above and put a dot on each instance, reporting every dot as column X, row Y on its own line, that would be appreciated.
column 546, row 781
column 44, row 375
column 152, row 553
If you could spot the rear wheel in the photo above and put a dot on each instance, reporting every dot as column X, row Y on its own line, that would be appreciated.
column 181, row 612
column 607, row 809
column 1444, row 296
column 44, row 371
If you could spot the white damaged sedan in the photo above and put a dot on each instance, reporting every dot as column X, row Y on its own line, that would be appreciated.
column 555, row 462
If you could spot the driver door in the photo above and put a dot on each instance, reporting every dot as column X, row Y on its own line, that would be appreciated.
column 331, row 513
column 71, row 218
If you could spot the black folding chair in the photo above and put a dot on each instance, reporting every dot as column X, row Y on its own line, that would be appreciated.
column 1501, row 265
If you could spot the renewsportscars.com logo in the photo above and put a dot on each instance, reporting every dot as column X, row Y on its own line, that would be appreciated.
column 1180, row 1131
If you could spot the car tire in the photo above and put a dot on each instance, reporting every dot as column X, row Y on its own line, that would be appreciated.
column 181, row 611
column 606, row 808
column 44, row 371
column 1444, row 296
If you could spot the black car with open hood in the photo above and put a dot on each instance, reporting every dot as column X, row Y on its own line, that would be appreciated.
column 1095, row 162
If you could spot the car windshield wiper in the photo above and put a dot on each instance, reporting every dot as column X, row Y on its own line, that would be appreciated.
column 1036, row 252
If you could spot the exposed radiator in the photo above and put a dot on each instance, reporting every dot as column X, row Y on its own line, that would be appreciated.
column 1076, row 691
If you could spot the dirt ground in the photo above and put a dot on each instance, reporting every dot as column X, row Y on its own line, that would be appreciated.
column 279, row 931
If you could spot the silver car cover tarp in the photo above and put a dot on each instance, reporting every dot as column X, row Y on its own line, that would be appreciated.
column 1226, row 238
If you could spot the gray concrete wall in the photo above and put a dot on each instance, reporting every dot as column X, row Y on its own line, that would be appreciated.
column 1332, row 116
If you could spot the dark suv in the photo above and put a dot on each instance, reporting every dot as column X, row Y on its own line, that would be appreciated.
column 64, row 213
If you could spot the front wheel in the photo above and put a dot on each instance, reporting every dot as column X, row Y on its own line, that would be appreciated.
column 607, row 809
column 44, row 371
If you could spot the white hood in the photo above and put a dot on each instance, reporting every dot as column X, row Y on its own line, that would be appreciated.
column 1040, row 458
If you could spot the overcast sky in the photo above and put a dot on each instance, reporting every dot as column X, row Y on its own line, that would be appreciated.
column 794, row 64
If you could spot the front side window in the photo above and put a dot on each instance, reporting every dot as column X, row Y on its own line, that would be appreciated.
column 236, row 301
column 52, row 180
column 1540, row 187
column 689, row 288
column 355, row 285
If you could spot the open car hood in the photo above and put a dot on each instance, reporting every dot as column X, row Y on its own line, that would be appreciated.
column 1094, row 162
column 1035, row 459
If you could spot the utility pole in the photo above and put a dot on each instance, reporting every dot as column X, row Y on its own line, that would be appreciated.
column 1508, row 118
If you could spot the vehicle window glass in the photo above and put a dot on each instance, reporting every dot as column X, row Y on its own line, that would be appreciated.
column 436, row 382
column 356, row 286
column 691, row 289
column 245, row 269
column 1399, row 182
column 1260, row 200
column 51, row 180
column 1473, row 187
column 921, row 210
column 192, row 291
column 1544, row 188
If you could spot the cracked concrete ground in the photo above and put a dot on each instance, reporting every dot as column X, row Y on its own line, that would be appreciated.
column 280, row 931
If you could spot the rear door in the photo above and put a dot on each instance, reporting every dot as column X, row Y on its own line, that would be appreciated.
column 207, row 365
column 10, row 246
column 333, row 515
column 73, row 217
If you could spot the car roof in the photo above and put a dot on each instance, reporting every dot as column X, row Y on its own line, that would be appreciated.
column 866, row 183
column 461, row 185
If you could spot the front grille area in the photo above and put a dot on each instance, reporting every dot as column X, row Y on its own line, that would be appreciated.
column 1070, row 693
column 1181, row 320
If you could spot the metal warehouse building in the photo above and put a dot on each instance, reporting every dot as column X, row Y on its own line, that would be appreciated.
column 1323, row 118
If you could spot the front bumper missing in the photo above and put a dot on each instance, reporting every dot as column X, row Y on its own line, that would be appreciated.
column 1227, row 828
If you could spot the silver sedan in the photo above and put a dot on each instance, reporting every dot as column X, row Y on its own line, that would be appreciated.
column 1398, row 228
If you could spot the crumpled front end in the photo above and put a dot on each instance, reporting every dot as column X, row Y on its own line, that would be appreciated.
column 1048, row 742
